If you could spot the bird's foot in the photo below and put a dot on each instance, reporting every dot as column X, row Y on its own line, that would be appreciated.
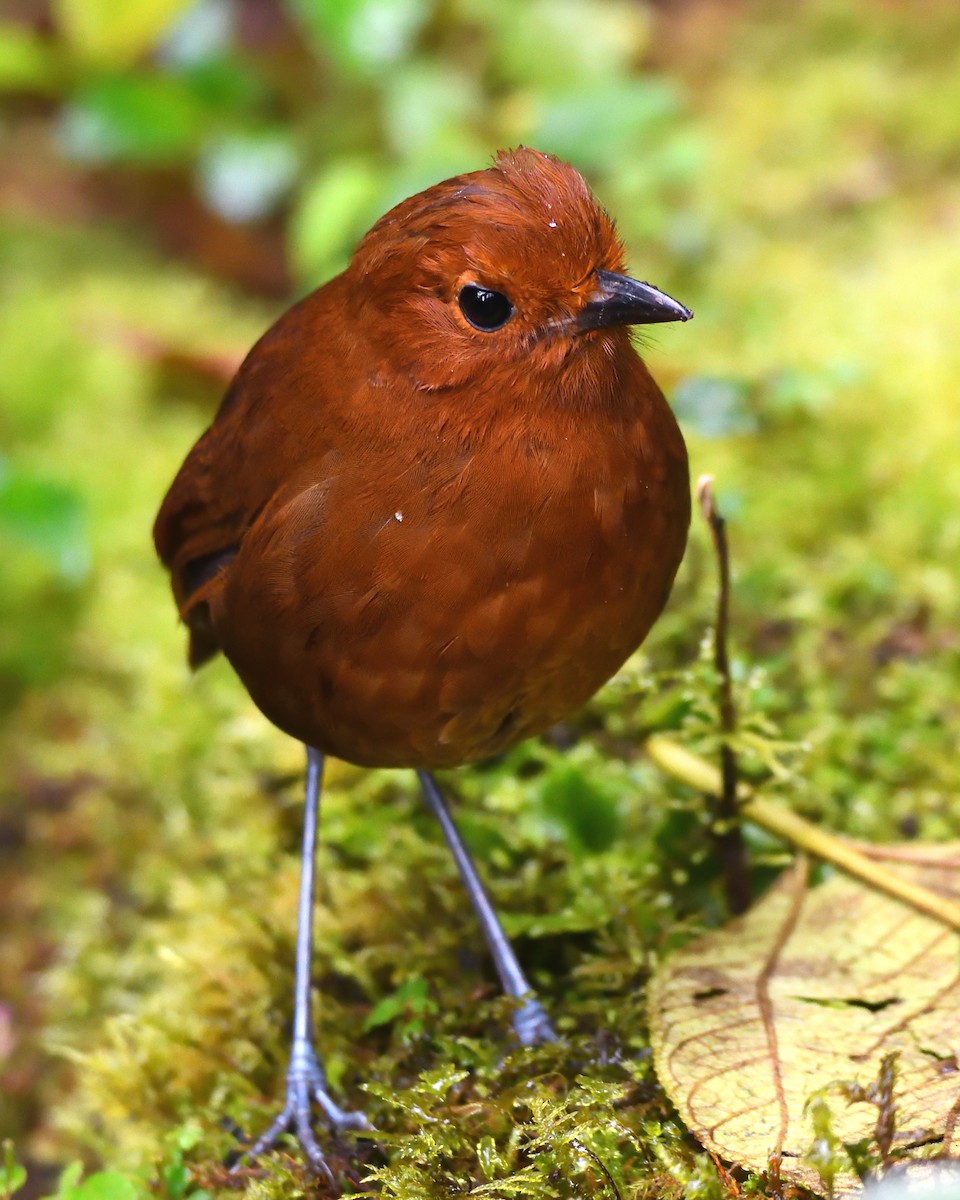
column 531, row 1023
column 306, row 1082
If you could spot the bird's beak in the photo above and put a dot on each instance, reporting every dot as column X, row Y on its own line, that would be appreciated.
column 620, row 300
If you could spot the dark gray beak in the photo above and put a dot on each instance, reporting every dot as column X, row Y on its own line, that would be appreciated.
column 620, row 300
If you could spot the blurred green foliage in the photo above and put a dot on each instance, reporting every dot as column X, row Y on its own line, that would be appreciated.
column 44, row 565
column 171, row 174
column 333, row 110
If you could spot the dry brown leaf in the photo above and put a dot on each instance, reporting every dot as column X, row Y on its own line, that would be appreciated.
column 811, row 989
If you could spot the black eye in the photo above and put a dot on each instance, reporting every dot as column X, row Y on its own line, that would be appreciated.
column 484, row 309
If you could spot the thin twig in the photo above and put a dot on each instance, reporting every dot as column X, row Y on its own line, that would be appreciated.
column 945, row 857
column 726, row 816
column 698, row 773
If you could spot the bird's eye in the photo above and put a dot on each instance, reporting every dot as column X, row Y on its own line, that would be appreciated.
column 484, row 309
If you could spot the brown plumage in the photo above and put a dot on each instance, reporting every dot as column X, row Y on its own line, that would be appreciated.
column 419, row 541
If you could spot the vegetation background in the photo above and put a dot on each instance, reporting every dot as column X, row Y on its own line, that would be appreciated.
column 172, row 174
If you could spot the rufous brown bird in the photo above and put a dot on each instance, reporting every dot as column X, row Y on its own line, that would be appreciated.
column 441, row 503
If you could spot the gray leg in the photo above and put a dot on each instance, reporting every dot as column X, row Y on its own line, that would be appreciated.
column 305, row 1077
column 529, row 1021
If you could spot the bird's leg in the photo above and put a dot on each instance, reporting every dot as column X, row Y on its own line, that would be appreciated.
column 306, row 1080
column 529, row 1021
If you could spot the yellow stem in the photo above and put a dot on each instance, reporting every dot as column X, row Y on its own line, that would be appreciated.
column 697, row 772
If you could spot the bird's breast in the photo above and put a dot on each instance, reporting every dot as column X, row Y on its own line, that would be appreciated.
column 429, row 608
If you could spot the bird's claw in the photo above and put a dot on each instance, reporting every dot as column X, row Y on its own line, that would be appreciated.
column 305, row 1082
column 532, row 1025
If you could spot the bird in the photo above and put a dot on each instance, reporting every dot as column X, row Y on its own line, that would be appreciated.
column 440, row 504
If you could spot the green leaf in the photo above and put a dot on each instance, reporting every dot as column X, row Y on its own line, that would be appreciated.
column 133, row 118
column 47, row 518
column 492, row 1163
column 188, row 1136
column 69, row 1178
column 598, row 125
column 107, row 1185
column 332, row 213
column 227, row 87
column 410, row 999
column 585, row 810
column 363, row 35
column 12, row 1175
column 27, row 61
column 175, row 1179
column 543, row 43
column 428, row 110
column 115, row 32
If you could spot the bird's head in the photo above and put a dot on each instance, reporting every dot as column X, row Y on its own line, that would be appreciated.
column 514, row 268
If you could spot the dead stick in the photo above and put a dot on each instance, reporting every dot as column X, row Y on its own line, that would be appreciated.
column 727, row 831
column 944, row 857
column 697, row 772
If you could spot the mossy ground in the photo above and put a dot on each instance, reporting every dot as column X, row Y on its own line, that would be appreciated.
column 150, row 820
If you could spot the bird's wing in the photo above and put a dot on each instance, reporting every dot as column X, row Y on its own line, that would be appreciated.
column 200, row 526
column 230, row 475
